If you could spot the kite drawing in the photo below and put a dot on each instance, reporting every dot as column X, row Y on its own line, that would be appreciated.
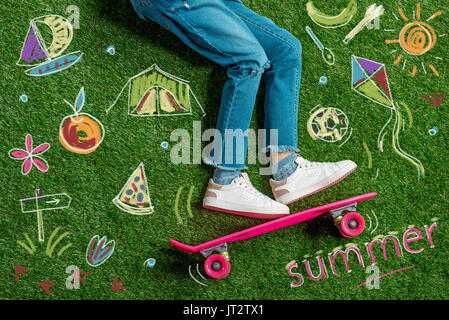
column 134, row 197
column 369, row 79
column 48, row 59
column 416, row 38
column 154, row 92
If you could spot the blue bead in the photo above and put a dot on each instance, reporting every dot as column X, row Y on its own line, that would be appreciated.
column 322, row 81
column 433, row 131
column 150, row 263
column 164, row 145
column 110, row 50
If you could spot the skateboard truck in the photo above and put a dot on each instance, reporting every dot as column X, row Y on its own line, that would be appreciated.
column 336, row 213
column 222, row 249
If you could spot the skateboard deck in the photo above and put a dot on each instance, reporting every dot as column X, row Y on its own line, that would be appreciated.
column 273, row 225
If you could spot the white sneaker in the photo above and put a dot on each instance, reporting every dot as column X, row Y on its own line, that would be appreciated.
column 309, row 178
column 240, row 197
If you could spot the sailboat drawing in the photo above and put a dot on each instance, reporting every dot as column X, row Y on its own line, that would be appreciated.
column 48, row 59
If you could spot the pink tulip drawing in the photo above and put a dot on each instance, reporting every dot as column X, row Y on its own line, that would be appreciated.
column 99, row 250
column 30, row 156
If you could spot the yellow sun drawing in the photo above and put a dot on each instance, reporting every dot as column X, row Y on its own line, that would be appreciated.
column 416, row 38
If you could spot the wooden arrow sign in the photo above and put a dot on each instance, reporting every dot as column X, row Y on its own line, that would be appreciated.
column 45, row 203
column 41, row 203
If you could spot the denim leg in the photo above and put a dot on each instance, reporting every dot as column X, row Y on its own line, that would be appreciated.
column 282, row 80
column 224, row 177
column 285, row 167
column 216, row 32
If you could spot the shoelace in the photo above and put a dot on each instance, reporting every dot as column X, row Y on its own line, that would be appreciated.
column 247, row 185
column 303, row 163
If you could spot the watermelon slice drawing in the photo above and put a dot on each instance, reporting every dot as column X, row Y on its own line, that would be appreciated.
column 134, row 197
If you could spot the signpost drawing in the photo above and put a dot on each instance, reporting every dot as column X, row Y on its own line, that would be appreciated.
column 40, row 203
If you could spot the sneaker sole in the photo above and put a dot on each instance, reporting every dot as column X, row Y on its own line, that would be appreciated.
column 248, row 214
column 321, row 189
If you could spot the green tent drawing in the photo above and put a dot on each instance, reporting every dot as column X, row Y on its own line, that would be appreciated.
column 154, row 92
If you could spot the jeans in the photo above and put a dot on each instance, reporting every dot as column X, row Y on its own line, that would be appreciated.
column 249, row 46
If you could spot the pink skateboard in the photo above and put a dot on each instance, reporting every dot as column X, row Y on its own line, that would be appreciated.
column 217, row 265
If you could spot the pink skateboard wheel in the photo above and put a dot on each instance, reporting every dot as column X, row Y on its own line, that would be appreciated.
column 217, row 267
column 344, row 235
column 351, row 225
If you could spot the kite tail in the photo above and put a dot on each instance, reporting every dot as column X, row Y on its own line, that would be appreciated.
column 397, row 147
column 380, row 138
column 118, row 97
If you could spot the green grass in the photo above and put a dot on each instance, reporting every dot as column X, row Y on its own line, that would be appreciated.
column 258, row 265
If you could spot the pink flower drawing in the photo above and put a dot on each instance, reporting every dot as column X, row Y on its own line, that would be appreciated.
column 30, row 156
